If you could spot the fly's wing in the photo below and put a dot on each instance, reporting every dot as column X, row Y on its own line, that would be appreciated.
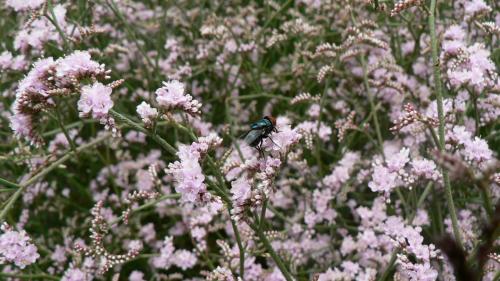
column 253, row 136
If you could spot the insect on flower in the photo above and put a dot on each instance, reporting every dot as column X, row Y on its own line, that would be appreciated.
column 259, row 131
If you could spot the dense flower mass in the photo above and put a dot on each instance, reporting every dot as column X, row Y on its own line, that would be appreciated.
column 51, row 80
column 187, row 173
column 250, row 140
column 16, row 247
column 19, row 5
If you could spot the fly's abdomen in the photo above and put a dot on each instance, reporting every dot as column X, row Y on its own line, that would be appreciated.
column 253, row 137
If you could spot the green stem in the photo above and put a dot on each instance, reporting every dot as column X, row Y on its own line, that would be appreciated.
column 277, row 259
column 439, row 101
column 420, row 201
column 318, row 125
column 65, row 132
column 164, row 144
column 147, row 205
column 262, row 214
column 240, row 248
column 29, row 276
column 373, row 108
column 52, row 18
column 41, row 174
column 390, row 266
column 8, row 184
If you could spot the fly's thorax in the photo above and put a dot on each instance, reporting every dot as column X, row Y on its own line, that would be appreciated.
column 261, row 124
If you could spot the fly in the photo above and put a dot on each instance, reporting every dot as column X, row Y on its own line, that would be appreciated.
column 259, row 131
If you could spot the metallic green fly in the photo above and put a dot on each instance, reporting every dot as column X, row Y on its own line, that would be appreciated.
column 259, row 131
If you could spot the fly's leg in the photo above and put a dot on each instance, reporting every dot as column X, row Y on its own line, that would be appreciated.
column 274, row 142
column 262, row 150
column 259, row 148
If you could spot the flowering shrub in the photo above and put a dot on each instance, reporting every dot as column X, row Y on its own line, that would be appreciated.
column 139, row 143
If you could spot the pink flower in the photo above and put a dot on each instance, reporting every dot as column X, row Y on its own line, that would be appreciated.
column 382, row 179
column 283, row 140
column 77, row 64
column 334, row 274
column 35, row 80
column 454, row 32
column 6, row 60
column 475, row 70
column 396, row 162
column 187, row 172
column 146, row 112
column 241, row 190
column 341, row 172
column 23, row 5
column 474, row 8
column 165, row 260
column 136, row 276
column 311, row 127
column 21, row 125
column 59, row 254
column 16, row 247
column 148, row 232
column 144, row 180
column 477, row 151
column 75, row 274
column 95, row 99
column 425, row 168
column 171, row 96
column 184, row 259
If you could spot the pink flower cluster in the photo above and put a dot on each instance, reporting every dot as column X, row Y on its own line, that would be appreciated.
column 397, row 146
column 95, row 101
column 187, row 172
column 147, row 113
column 16, row 247
column 20, row 5
column 399, row 170
column 169, row 256
column 474, row 150
column 172, row 96
column 48, row 80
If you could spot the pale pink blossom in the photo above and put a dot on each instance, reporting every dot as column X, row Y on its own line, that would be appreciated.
column 165, row 260
column 16, row 247
column 382, row 179
column 95, row 100
column 241, row 190
column 184, row 259
column 77, row 64
column 146, row 112
column 76, row 274
column 473, row 8
column 136, row 276
column 23, row 5
column 172, row 96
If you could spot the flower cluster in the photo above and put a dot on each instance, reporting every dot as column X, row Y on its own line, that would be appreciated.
column 187, row 172
column 169, row 256
column 269, row 141
column 398, row 170
column 49, row 80
column 172, row 96
column 16, row 247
